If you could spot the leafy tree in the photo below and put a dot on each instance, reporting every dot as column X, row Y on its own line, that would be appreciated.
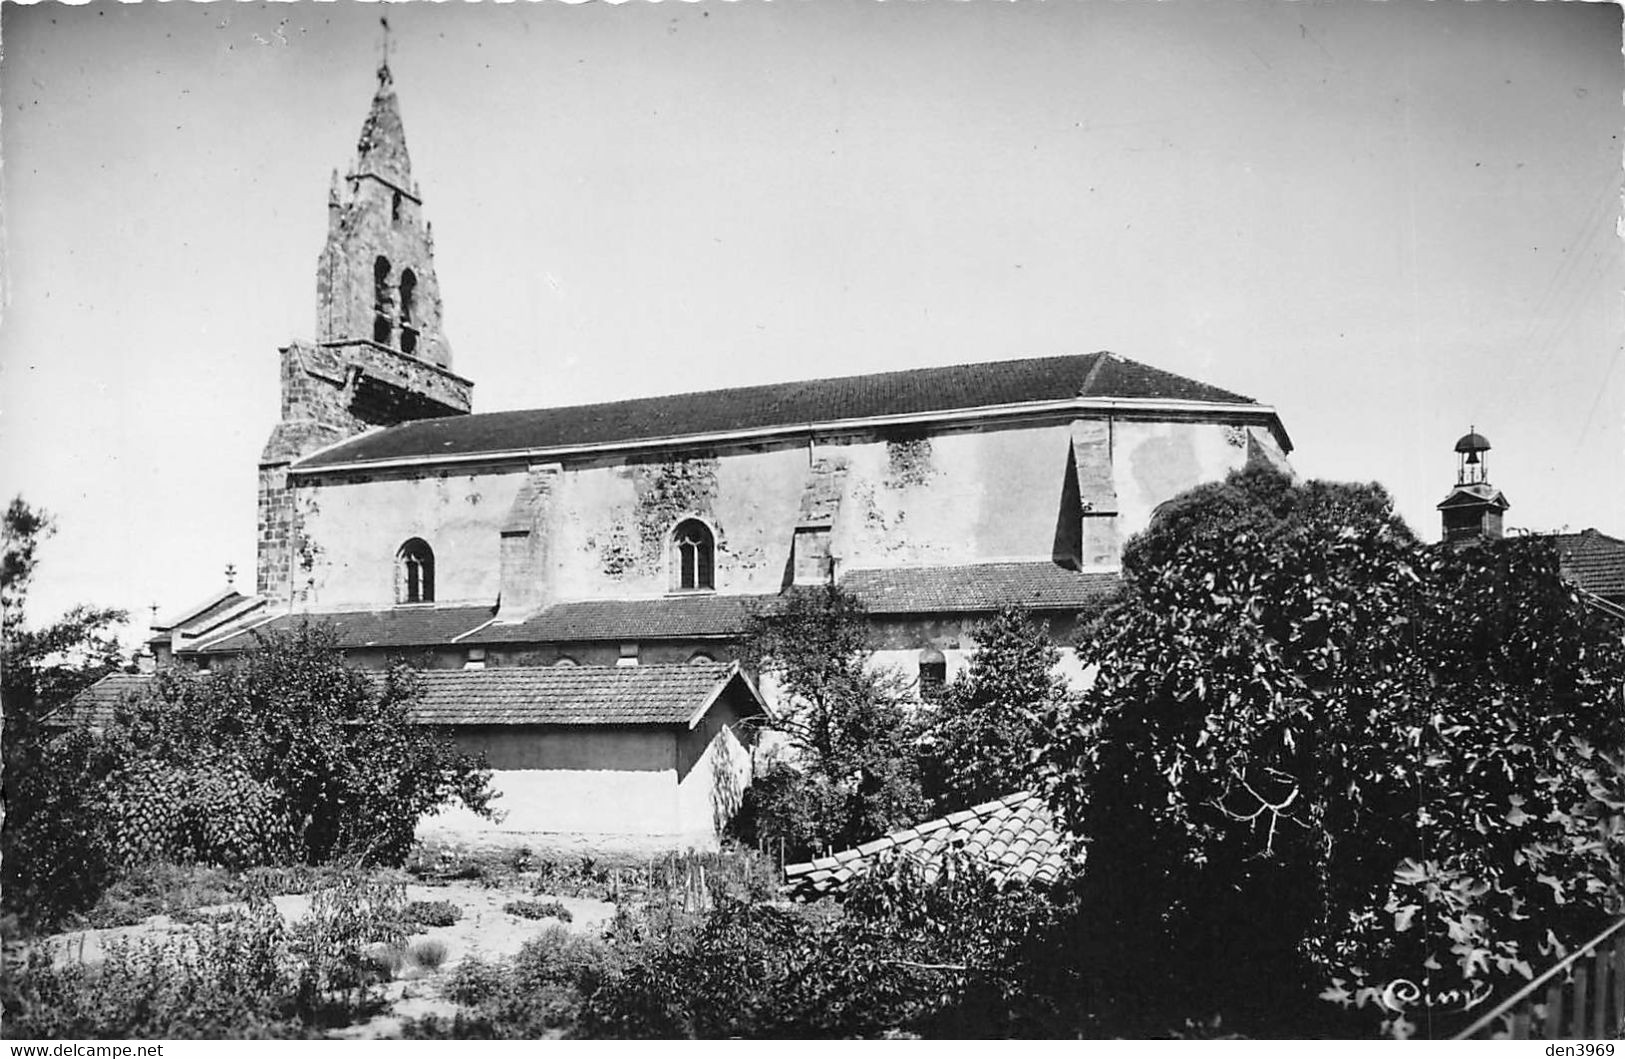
column 333, row 747
column 1320, row 758
column 850, row 773
column 980, row 738
column 53, row 843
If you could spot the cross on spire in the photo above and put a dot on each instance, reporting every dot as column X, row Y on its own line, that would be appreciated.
column 383, row 61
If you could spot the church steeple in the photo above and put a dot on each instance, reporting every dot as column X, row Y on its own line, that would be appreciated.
column 381, row 151
column 375, row 281
column 380, row 357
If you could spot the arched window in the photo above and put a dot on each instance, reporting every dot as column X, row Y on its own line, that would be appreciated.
column 414, row 572
column 395, row 209
column 409, row 287
column 409, row 334
column 381, row 326
column 701, row 659
column 933, row 673
column 693, row 555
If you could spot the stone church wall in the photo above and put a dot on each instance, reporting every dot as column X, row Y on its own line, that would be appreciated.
column 601, row 529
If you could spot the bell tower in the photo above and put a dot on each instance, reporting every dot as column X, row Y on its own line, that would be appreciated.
column 380, row 357
column 375, row 280
column 1472, row 512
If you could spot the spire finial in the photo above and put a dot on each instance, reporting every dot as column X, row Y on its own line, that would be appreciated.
column 383, row 62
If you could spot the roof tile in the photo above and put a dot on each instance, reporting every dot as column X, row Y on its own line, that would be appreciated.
column 979, row 587
column 1594, row 561
column 403, row 627
column 570, row 695
column 777, row 405
column 1014, row 834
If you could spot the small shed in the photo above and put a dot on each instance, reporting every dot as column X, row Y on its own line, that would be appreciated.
column 591, row 759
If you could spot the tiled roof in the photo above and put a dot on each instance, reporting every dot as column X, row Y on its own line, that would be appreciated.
column 95, row 705
column 975, row 588
column 574, row 695
column 1014, row 836
column 979, row 587
column 1594, row 561
column 412, row 626
column 564, row 695
column 790, row 404
column 669, row 618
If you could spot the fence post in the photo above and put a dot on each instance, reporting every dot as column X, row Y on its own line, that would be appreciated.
column 1554, row 1011
column 1599, row 1002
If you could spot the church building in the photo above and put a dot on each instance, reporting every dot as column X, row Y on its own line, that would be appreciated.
column 639, row 535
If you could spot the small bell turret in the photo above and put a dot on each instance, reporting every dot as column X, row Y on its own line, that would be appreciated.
column 1473, row 510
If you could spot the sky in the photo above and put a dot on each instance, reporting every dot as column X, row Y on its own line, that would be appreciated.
column 1390, row 221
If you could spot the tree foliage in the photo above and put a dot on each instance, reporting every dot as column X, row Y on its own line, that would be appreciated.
column 329, row 750
column 1319, row 753
column 981, row 735
column 850, row 772
column 53, row 853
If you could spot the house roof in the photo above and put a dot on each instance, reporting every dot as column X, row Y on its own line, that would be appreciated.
column 557, row 695
column 1594, row 561
column 95, row 705
column 577, row 695
column 667, row 618
column 788, row 405
column 979, row 587
column 403, row 627
column 1015, row 836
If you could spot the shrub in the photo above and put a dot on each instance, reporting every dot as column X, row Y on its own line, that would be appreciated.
column 538, row 993
column 235, row 978
column 526, row 909
column 432, row 913
column 429, row 953
column 475, row 980
column 954, row 957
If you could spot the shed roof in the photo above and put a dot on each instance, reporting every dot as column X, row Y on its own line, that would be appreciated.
column 697, row 616
column 662, row 695
column 979, row 587
column 777, row 405
column 1014, row 835
column 415, row 625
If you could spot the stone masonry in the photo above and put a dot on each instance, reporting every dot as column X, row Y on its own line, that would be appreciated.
column 380, row 357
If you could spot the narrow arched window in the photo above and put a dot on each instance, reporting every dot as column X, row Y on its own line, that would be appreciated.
column 933, row 673
column 409, row 334
column 694, row 555
column 382, row 328
column 409, row 289
column 414, row 572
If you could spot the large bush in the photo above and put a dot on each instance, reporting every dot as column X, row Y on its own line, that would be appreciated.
column 327, row 753
column 1320, row 758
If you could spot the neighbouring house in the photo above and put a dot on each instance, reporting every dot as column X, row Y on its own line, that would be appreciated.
column 584, row 759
